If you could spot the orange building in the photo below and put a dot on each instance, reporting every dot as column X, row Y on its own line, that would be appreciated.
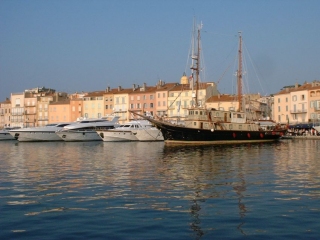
column 59, row 111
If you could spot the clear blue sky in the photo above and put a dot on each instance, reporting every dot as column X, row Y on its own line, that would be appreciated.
column 87, row 45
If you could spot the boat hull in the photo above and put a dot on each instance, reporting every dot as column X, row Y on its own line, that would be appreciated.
column 35, row 136
column 151, row 134
column 6, row 136
column 78, row 136
column 117, row 136
column 174, row 134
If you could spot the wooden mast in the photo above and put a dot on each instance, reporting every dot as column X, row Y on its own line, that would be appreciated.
column 239, row 74
column 196, row 67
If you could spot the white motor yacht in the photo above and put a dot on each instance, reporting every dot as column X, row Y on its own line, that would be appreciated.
column 38, row 134
column 5, row 134
column 86, row 130
column 148, row 134
column 129, row 132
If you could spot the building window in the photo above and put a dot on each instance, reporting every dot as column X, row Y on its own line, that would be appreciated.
column 302, row 97
column 278, row 100
column 151, row 105
column 286, row 99
column 294, row 98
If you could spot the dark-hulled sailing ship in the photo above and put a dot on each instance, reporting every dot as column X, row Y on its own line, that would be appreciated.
column 212, row 126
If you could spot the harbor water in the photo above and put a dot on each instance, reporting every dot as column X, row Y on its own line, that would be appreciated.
column 147, row 190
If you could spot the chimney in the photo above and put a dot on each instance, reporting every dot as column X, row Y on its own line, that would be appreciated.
column 133, row 87
column 119, row 88
column 144, row 86
column 296, row 85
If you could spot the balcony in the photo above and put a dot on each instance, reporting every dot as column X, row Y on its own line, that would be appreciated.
column 17, row 113
column 298, row 111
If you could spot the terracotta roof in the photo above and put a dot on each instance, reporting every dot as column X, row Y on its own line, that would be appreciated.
column 222, row 98
column 305, row 86
column 63, row 102
column 94, row 94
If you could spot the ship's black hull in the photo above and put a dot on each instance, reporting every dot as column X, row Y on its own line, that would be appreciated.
column 180, row 134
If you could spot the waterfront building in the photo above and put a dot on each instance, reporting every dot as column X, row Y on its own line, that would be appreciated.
column 161, row 97
column 76, row 106
column 314, row 106
column 298, row 103
column 224, row 102
column 59, row 111
column 181, row 96
column 17, row 109
column 93, row 105
column 44, row 100
column 5, row 113
column 30, row 111
column 108, row 97
column 121, row 103
column 142, row 100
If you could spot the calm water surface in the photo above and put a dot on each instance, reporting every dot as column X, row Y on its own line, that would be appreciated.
column 137, row 190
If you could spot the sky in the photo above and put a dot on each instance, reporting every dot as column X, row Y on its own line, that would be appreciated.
column 88, row 45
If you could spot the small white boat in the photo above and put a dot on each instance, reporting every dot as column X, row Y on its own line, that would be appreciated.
column 38, row 134
column 132, row 131
column 5, row 134
column 85, row 130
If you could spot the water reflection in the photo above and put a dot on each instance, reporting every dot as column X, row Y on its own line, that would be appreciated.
column 217, row 187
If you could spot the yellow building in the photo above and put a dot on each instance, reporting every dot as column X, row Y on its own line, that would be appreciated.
column 17, row 109
column 93, row 105
column 5, row 113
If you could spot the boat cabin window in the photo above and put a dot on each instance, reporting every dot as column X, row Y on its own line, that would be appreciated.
column 238, row 115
